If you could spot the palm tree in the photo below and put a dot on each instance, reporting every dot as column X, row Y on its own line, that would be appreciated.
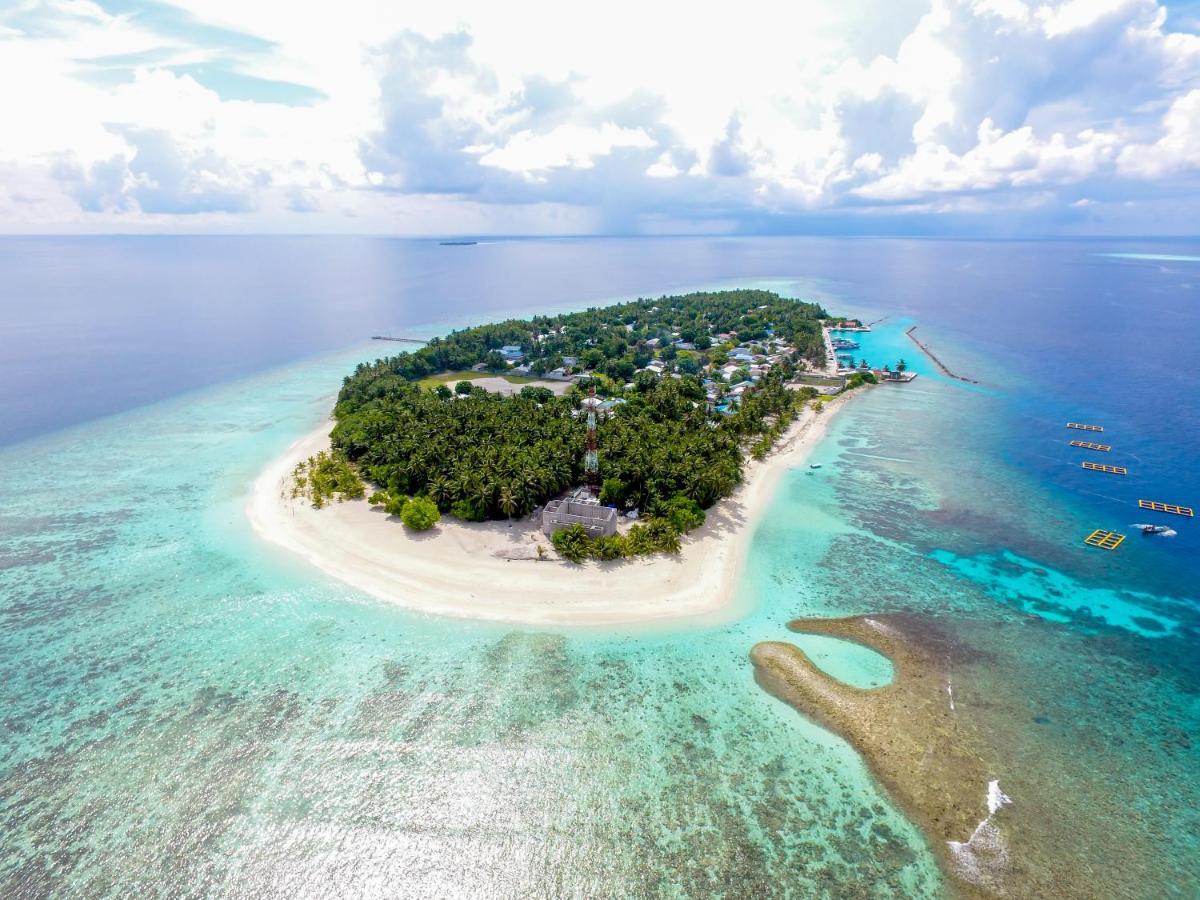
column 508, row 501
column 483, row 495
column 901, row 366
column 440, row 491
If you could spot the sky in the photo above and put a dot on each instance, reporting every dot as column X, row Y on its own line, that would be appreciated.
column 961, row 117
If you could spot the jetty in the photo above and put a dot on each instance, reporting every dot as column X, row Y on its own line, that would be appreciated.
column 831, row 360
column 937, row 362
column 401, row 340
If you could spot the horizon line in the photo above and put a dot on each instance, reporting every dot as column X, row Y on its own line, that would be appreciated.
column 601, row 236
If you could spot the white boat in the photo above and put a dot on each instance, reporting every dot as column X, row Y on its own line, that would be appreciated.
column 1155, row 529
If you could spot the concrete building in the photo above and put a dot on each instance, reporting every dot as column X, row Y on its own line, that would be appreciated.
column 600, row 521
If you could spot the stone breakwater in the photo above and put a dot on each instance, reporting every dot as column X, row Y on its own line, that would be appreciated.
column 941, row 365
column 929, row 755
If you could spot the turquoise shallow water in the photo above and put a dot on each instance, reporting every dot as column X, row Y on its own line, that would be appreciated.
column 189, row 712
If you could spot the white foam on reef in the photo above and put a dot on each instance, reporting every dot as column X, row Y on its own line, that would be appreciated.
column 983, row 857
column 996, row 798
column 950, row 691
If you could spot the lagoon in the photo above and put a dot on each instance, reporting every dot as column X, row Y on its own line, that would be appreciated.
column 188, row 710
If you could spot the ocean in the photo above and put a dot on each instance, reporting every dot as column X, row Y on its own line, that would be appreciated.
column 190, row 712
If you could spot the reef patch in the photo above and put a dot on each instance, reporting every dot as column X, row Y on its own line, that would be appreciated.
column 927, row 753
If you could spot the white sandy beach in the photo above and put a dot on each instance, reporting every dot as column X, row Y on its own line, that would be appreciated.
column 491, row 570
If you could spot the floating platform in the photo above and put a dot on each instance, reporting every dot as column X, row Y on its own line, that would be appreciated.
column 1111, row 470
column 1167, row 508
column 1106, row 540
column 1088, row 445
column 1083, row 427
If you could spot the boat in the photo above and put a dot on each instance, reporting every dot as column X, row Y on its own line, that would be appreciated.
column 840, row 344
column 1155, row 529
column 814, row 465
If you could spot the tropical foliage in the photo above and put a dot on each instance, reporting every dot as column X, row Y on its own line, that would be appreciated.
column 858, row 379
column 486, row 456
column 614, row 340
column 419, row 514
column 663, row 449
column 326, row 476
column 656, row 535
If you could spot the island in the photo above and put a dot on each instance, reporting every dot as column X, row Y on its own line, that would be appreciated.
column 602, row 466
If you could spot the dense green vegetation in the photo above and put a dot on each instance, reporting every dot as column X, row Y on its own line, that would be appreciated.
column 418, row 513
column 664, row 449
column 615, row 340
column 326, row 476
column 656, row 535
column 486, row 456
column 858, row 379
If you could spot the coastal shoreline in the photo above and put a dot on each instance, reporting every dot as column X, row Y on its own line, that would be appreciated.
column 491, row 570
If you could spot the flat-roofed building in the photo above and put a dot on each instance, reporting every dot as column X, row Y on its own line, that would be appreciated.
column 600, row 521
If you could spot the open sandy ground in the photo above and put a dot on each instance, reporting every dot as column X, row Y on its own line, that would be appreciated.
column 491, row 570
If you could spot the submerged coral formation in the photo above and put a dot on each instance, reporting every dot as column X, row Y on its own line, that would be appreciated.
column 928, row 754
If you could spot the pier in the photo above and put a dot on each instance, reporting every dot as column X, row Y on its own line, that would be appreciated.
column 831, row 360
column 401, row 340
column 941, row 365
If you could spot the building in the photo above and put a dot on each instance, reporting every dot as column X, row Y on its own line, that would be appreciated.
column 512, row 353
column 599, row 521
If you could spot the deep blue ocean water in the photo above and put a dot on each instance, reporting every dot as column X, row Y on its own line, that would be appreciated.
column 189, row 712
